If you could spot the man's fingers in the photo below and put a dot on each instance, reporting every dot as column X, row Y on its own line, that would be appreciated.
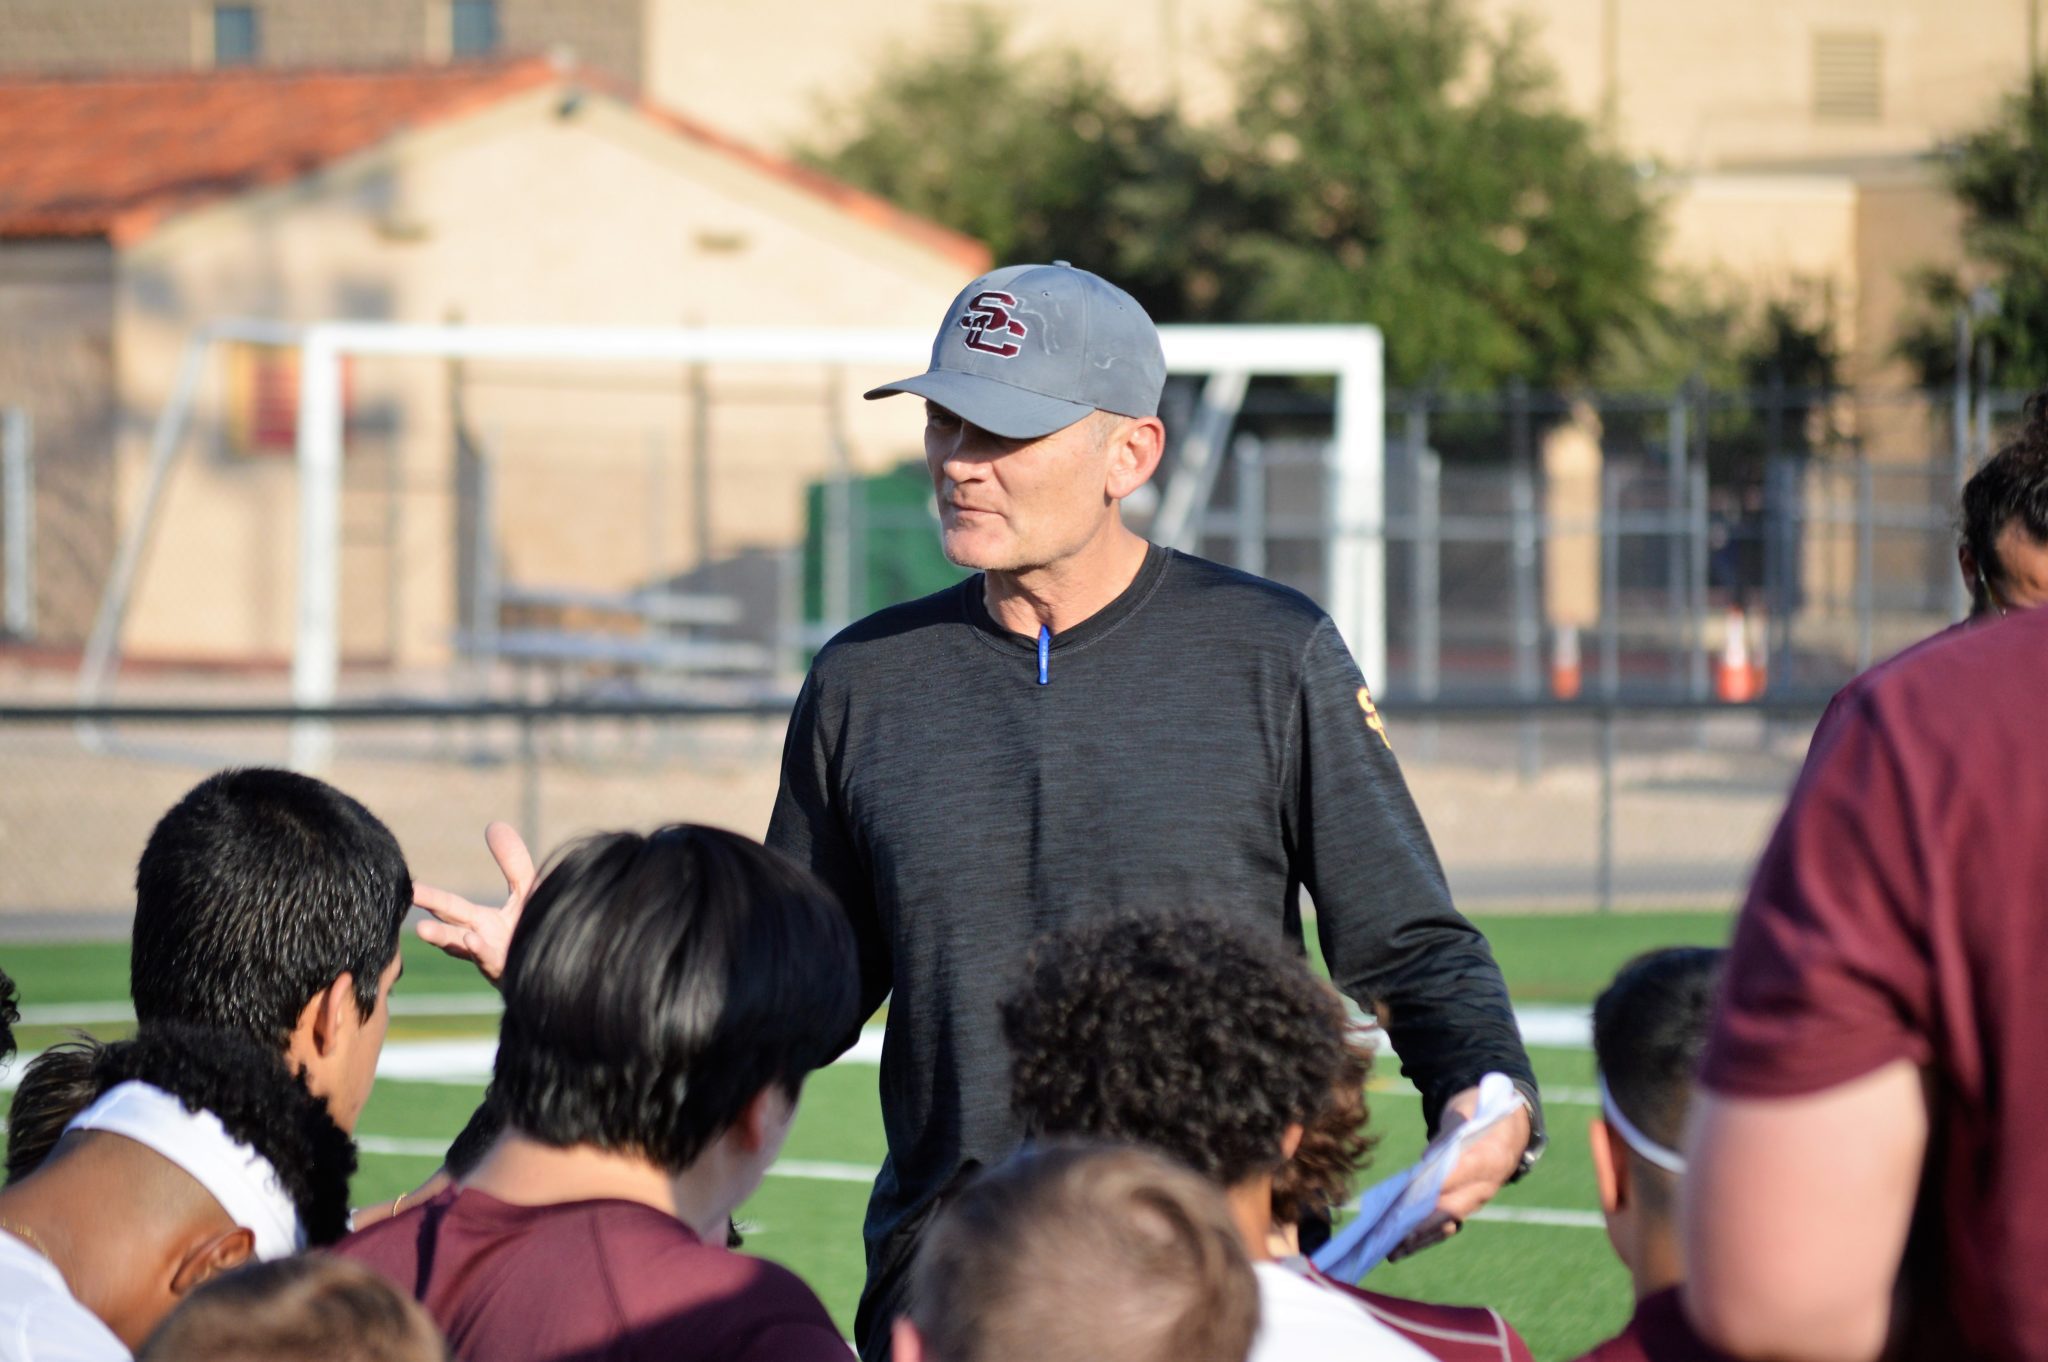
column 444, row 905
column 508, row 849
column 453, row 940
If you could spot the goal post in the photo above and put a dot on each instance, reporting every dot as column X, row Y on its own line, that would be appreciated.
column 1351, row 512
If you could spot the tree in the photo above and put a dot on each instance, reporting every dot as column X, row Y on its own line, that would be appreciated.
column 1410, row 170
column 1037, row 157
column 2000, row 175
column 1388, row 162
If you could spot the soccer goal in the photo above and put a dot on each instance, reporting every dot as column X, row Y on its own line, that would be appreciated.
column 1339, row 519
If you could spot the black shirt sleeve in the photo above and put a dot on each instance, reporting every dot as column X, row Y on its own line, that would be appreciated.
column 809, row 827
column 1392, row 940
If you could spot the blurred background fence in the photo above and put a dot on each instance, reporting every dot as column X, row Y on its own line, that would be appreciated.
column 1539, row 806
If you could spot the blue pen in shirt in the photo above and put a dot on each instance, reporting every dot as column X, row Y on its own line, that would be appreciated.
column 1044, row 655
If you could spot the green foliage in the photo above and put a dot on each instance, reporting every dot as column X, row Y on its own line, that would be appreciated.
column 1389, row 162
column 1407, row 169
column 2000, row 175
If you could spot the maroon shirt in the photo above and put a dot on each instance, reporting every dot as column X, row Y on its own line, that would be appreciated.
column 1657, row 1332
column 591, row 1281
column 1452, row 1333
column 1901, row 912
column 1845, row 699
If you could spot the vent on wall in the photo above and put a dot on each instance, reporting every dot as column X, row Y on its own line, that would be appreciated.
column 1848, row 77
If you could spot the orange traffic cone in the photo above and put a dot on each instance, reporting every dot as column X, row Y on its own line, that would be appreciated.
column 1737, row 677
column 1565, row 673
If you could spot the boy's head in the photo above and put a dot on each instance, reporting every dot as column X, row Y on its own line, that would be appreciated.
column 214, row 1154
column 313, row 1308
column 1183, row 1033
column 664, row 990
column 2004, row 541
column 1082, row 1253
column 1649, row 1029
column 269, row 904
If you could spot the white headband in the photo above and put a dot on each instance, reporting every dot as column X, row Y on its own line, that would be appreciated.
column 1670, row 1160
column 241, row 1180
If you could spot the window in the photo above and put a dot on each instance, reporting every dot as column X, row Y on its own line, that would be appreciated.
column 262, row 409
column 236, row 41
column 472, row 28
column 1848, row 78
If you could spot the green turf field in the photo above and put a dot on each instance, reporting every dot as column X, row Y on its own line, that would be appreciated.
column 1557, row 1282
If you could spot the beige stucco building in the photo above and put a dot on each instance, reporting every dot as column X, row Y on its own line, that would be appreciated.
column 1791, row 139
column 507, row 193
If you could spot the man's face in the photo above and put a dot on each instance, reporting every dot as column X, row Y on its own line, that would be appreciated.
column 2022, row 579
column 355, row 1061
column 1011, row 505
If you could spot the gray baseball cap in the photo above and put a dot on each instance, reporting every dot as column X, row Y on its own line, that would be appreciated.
column 1029, row 349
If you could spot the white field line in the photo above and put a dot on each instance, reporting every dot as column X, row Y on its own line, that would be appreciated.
column 1544, row 1215
column 469, row 1061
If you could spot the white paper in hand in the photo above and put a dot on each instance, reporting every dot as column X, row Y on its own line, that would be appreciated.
column 1388, row 1212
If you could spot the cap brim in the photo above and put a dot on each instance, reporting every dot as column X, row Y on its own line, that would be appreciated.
column 996, row 407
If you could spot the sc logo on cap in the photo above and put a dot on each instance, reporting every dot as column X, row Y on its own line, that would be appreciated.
column 988, row 313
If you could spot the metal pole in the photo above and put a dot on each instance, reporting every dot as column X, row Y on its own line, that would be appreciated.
column 1528, row 639
column 1866, row 563
column 1700, row 542
column 700, row 462
column 1610, row 583
column 529, row 782
column 1248, row 455
column 1605, row 887
column 657, row 503
column 1425, row 549
column 1959, row 448
column 18, row 498
column 96, row 671
column 837, row 566
column 1676, row 484
column 316, row 649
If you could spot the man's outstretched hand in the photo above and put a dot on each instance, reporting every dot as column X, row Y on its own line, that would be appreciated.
column 470, row 931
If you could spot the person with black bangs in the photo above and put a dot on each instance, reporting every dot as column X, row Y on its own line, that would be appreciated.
column 665, row 998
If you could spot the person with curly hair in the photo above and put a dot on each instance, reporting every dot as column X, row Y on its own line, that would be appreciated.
column 1213, row 1044
column 665, row 998
column 200, row 1152
column 1319, row 1179
column 312, row 1308
column 54, row 1087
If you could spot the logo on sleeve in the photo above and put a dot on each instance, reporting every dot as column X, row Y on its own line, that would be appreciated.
column 1372, row 716
column 987, row 320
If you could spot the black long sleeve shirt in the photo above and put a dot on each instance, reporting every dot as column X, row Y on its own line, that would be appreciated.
column 1203, row 742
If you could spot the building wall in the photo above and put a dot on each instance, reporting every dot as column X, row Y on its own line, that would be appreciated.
column 90, row 35
column 56, row 360
column 519, row 215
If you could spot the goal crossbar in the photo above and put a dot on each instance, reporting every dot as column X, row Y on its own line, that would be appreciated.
column 1352, row 355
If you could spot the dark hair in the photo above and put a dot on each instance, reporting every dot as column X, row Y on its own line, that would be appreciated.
column 257, row 1100
column 656, row 984
column 10, row 1013
column 1185, row 1033
column 1649, row 1030
column 1334, row 1146
column 312, row 1308
column 57, row 1085
column 257, row 890
column 1085, row 1253
column 2011, row 487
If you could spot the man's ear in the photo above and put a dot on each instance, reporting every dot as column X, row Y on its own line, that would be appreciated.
column 331, row 1014
column 1610, row 1166
column 909, row 1343
column 1134, row 455
column 209, row 1257
column 1967, row 562
column 765, row 1112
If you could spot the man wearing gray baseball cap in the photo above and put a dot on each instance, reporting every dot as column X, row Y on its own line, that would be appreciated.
column 1090, row 723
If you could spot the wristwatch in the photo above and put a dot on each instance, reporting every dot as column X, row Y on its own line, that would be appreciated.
column 1539, row 1138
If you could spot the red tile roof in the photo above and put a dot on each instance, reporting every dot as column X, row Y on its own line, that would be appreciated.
column 113, row 156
